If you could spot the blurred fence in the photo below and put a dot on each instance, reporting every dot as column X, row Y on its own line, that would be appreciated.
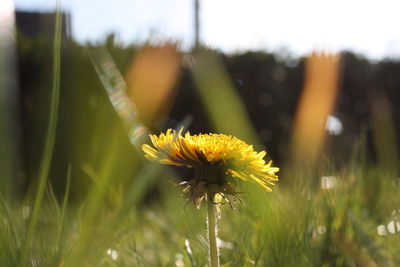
column 267, row 86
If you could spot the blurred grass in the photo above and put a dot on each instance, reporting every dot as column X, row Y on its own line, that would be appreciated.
column 224, row 107
column 50, row 141
column 302, row 225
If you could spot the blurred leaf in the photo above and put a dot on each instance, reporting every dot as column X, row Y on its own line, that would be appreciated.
column 224, row 107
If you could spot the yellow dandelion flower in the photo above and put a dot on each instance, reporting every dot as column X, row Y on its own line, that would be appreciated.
column 216, row 159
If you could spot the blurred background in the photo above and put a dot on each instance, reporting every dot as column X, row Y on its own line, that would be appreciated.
column 339, row 59
column 314, row 83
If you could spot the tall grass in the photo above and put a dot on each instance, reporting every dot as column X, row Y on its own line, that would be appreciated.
column 304, row 224
column 49, row 144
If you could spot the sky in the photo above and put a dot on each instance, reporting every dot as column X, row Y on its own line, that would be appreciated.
column 369, row 27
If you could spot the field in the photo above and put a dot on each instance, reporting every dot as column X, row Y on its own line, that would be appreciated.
column 90, row 198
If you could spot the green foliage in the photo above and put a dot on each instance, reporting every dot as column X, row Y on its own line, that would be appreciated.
column 299, row 224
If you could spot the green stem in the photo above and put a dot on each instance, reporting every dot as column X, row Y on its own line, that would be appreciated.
column 212, row 233
column 49, row 145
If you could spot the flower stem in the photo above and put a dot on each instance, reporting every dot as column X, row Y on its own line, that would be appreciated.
column 212, row 234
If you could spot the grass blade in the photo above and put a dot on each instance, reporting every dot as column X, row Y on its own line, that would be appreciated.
column 50, row 139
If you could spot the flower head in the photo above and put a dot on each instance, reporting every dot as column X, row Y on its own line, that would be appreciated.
column 216, row 160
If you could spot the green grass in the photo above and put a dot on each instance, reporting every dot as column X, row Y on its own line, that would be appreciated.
column 299, row 224
column 49, row 144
